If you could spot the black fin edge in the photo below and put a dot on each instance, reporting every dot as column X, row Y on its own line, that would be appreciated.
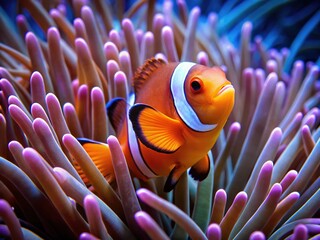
column 199, row 177
column 111, row 106
column 83, row 141
column 169, row 185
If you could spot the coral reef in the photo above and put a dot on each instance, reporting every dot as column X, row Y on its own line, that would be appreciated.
column 62, row 61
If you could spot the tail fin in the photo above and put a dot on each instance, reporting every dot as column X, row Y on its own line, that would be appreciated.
column 100, row 154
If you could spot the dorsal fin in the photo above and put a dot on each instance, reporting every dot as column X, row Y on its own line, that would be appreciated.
column 116, row 110
column 143, row 73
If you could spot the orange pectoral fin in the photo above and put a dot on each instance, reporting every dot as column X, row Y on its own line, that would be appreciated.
column 156, row 130
column 200, row 170
column 173, row 178
column 101, row 157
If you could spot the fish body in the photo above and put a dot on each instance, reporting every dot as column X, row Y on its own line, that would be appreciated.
column 178, row 113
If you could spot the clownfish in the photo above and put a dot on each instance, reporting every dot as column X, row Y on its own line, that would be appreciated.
column 177, row 115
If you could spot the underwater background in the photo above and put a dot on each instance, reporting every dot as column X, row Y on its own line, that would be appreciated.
column 62, row 61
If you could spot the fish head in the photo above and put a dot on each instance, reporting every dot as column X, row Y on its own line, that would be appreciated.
column 210, row 94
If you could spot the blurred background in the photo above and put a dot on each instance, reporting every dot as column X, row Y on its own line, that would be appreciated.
column 279, row 22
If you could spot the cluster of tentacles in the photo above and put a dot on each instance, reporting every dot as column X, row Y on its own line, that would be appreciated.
column 55, row 82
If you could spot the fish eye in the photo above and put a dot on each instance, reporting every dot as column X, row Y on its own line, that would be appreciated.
column 196, row 85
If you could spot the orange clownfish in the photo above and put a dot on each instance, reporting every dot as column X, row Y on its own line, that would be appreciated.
column 178, row 113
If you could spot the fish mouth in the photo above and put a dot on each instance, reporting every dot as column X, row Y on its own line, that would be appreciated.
column 225, row 88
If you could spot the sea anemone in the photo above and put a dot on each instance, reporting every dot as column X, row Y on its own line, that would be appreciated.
column 57, row 75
